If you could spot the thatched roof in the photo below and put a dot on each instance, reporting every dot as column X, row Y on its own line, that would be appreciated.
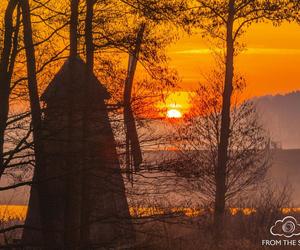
column 62, row 84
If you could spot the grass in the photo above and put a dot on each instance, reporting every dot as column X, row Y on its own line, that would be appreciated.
column 186, row 228
column 12, row 212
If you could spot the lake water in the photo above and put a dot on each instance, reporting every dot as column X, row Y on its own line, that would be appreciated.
column 285, row 168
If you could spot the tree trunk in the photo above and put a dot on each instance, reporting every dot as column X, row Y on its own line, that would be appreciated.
column 73, row 29
column 89, row 37
column 220, row 195
column 133, row 149
column 35, row 208
column 14, row 52
column 73, row 180
column 5, row 75
column 85, row 192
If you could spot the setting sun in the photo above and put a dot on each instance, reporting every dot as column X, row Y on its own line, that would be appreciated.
column 176, row 104
column 174, row 113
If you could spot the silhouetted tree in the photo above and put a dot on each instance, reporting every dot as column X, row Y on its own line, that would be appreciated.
column 72, row 182
column 199, row 136
column 6, row 66
column 133, row 149
column 35, row 217
column 226, row 21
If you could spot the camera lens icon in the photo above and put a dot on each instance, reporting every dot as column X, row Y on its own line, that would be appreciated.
column 289, row 227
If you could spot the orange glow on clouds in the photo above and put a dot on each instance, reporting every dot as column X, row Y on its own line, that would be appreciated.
column 270, row 63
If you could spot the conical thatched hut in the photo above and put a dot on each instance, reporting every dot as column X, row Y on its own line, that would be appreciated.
column 84, row 190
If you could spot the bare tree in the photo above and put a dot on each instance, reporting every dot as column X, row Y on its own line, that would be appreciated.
column 89, row 44
column 73, row 201
column 35, row 217
column 226, row 21
column 36, row 220
column 6, row 64
column 199, row 139
column 132, row 140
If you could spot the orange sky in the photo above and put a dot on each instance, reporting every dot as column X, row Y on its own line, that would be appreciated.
column 271, row 64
